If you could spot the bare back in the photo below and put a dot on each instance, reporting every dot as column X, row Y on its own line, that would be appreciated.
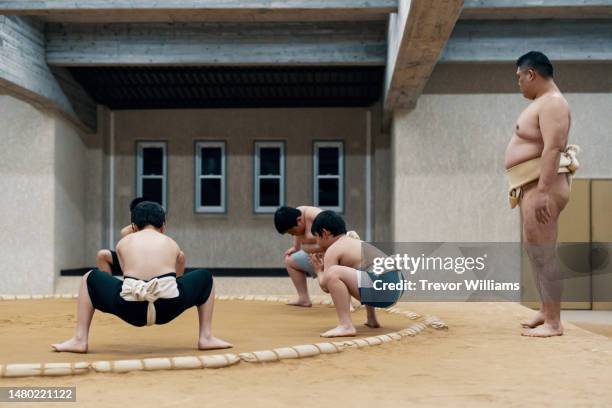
column 147, row 254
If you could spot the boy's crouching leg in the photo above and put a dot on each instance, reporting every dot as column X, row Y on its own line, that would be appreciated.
column 85, row 312
column 205, row 312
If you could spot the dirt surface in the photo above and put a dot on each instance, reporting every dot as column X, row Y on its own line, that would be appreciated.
column 480, row 361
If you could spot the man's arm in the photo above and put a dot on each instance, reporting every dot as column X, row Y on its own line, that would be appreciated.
column 310, row 213
column 127, row 230
column 297, row 244
column 331, row 257
column 554, row 125
column 312, row 248
column 180, row 263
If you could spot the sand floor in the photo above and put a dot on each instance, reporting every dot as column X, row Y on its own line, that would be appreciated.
column 480, row 361
column 250, row 326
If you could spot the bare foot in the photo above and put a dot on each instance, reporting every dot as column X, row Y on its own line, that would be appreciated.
column 213, row 343
column 373, row 324
column 340, row 331
column 544, row 330
column 300, row 303
column 537, row 320
column 72, row 346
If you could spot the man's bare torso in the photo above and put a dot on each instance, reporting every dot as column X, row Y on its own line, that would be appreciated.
column 310, row 213
column 527, row 142
column 147, row 254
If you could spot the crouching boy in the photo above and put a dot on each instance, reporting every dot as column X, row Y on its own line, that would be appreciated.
column 151, row 292
column 342, row 272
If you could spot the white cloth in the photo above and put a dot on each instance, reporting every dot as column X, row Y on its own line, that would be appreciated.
column 135, row 290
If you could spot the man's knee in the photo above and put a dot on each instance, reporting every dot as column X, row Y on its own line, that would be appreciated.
column 323, row 281
column 291, row 264
column 104, row 255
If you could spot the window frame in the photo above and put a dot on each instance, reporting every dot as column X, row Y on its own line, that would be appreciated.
column 198, row 177
column 316, row 176
column 258, row 209
column 143, row 144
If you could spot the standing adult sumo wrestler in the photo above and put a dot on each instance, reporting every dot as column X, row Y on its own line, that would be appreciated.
column 539, row 167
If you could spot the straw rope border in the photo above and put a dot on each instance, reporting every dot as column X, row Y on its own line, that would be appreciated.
column 216, row 360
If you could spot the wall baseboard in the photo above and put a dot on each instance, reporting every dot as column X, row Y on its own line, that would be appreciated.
column 221, row 272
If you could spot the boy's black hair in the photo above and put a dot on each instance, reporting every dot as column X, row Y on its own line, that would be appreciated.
column 329, row 220
column 285, row 218
column 136, row 201
column 536, row 61
column 148, row 213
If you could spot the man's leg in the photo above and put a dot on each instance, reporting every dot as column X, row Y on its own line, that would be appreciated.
column 85, row 312
column 372, row 320
column 540, row 244
column 298, row 277
column 341, row 282
column 104, row 260
column 206, row 340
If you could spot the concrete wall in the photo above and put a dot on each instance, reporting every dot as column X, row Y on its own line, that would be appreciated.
column 448, row 153
column 239, row 238
column 381, row 178
column 27, row 185
column 70, row 169
column 43, row 209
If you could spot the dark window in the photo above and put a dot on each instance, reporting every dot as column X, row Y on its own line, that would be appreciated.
column 151, row 175
column 328, row 192
column 328, row 175
column 329, row 158
column 152, row 161
column 210, row 192
column 269, row 176
column 152, row 190
column 269, row 159
column 269, row 192
column 211, row 160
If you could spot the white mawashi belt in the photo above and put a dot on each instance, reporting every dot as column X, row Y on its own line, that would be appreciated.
column 135, row 290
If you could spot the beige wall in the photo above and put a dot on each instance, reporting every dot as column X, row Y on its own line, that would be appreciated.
column 239, row 238
column 43, row 209
column 27, row 185
column 70, row 164
column 447, row 154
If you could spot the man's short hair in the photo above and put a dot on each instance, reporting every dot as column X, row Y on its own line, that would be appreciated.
column 538, row 62
column 148, row 213
column 329, row 220
column 285, row 218
column 136, row 201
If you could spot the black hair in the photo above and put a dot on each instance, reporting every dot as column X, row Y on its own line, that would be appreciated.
column 536, row 61
column 285, row 218
column 330, row 221
column 136, row 201
column 148, row 213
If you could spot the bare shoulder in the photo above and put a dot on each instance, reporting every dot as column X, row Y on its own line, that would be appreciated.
column 335, row 250
column 172, row 242
column 125, row 240
column 310, row 212
column 554, row 103
column 344, row 245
